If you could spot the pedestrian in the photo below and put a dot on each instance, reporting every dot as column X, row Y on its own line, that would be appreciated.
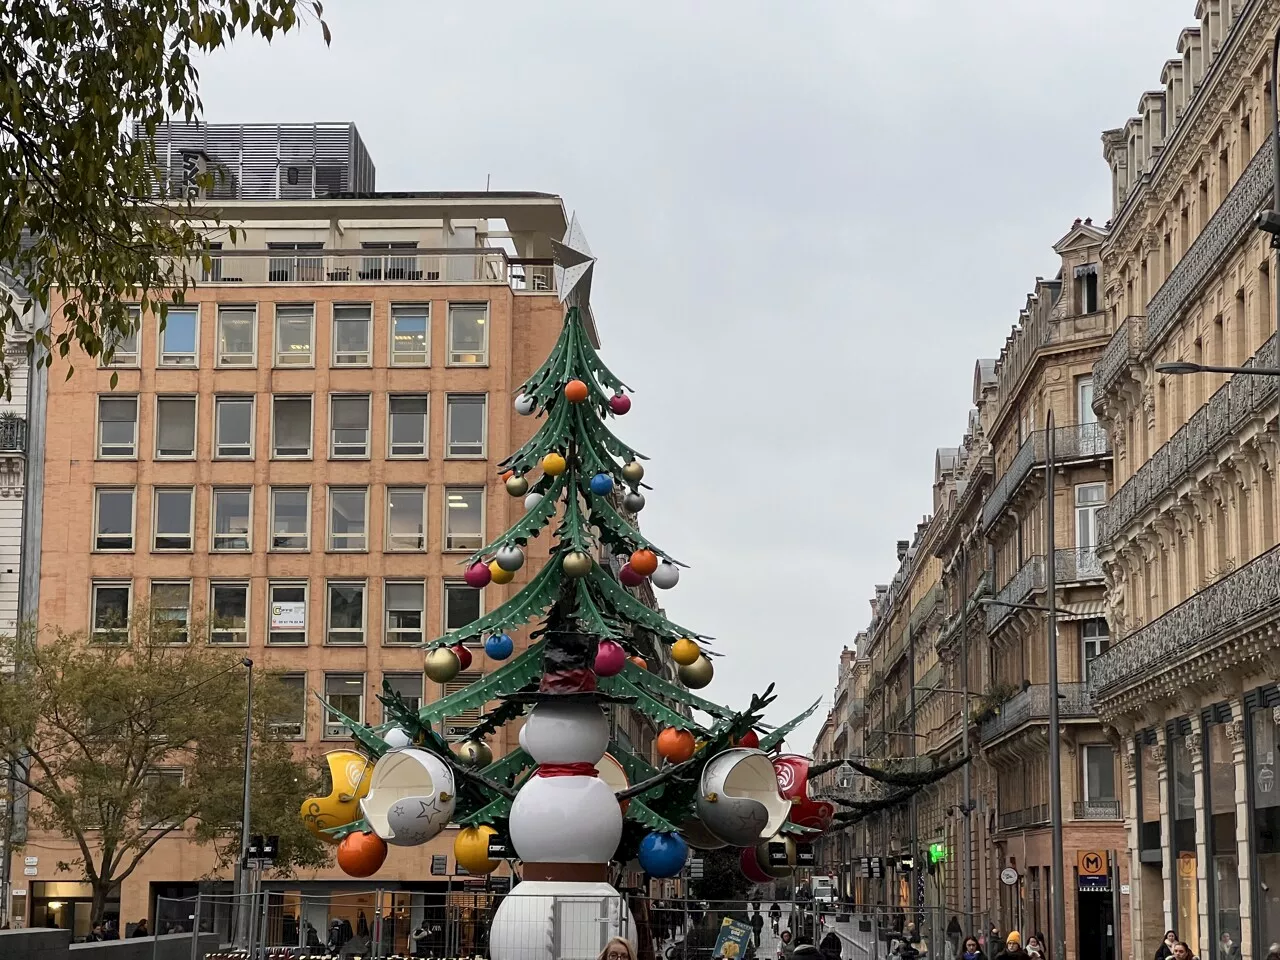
column 1165, row 950
column 954, row 932
column 1043, row 941
column 1013, row 947
column 971, row 950
column 1034, row 949
column 757, row 924
column 830, row 946
column 775, row 916
column 618, row 949
column 96, row 933
column 141, row 929
column 1274, row 952
column 1183, row 952
column 785, row 948
column 1228, row 949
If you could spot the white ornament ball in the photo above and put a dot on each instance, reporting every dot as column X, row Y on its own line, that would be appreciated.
column 510, row 558
column 633, row 501
column 565, row 733
column 666, row 576
column 524, row 405
column 411, row 797
column 397, row 738
column 566, row 820
column 531, row 501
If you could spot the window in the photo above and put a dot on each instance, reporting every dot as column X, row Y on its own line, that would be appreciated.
column 175, row 428
column 405, row 603
column 233, row 427
column 346, row 613
column 348, row 518
column 229, row 613
column 122, row 347
column 171, row 528
column 288, row 721
column 237, row 336
column 408, row 685
column 112, row 601
column 113, row 523
column 295, row 328
column 1086, row 277
column 390, row 267
column 345, row 692
column 179, row 337
column 351, row 335
column 407, row 426
column 287, row 603
column 406, row 518
column 291, row 427
column 231, row 518
column 161, row 786
column 1094, row 641
column 1099, row 772
column 1090, row 498
column 463, row 518
column 118, row 427
column 296, row 269
column 410, row 334
column 465, row 427
column 290, row 518
column 468, row 334
column 171, row 609
column 349, row 426
column 456, row 726
column 461, row 605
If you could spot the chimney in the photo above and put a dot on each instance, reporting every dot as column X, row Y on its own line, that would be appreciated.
column 903, row 547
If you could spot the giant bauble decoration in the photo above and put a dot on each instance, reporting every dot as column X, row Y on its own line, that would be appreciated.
column 675, row 746
column 602, row 484
column 395, row 738
column 698, row 836
column 478, row 575
column 441, row 664
column 411, row 797
column 498, row 574
column 696, row 675
column 565, row 733
column 619, row 403
column 474, row 753
column 749, row 863
column 633, row 472
column 615, row 778
column 666, row 576
column 499, row 647
column 553, row 464
column 350, row 773
column 663, row 855
column 633, row 502
column 644, row 562
column 517, row 486
column 510, row 557
column 748, row 739
column 738, row 797
column 532, row 500
column 361, row 854
column 792, row 771
column 685, row 651
column 763, row 858
column 628, row 577
column 575, row 391
column 525, row 404
column 576, row 564
column 471, row 849
column 463, row 654
column 610, row 658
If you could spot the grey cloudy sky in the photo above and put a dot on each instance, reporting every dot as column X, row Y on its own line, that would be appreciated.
column 811, row 218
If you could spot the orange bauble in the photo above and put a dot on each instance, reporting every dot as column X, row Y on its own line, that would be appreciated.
column 675, row 745
column 575, row 391
column 361, row 854
column 507, row 475
column 644, row 562
column 639, row 662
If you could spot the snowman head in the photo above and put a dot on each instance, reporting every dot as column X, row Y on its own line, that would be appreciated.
column 565, row 733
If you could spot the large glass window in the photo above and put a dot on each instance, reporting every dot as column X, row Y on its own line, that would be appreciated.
column 1094, row 641
column 287, row 606
column 349, row 427
column 1266, row 823
column 346, row 612
column 1182, row 790
column 232, row 518
column 1099, row 773
column 461, row 605
column 408, row 685
column 345, row 692
column 463, row 518
column 122, row 347
column 291, row 427
column 112, row 603
column 465, row 426
column 173, row 518
column 351, row 334
column 348, row 518
column 229, row 613
column 289, row 719
column 179, row 338
column 237, row 336
column 175, row 428
column 1225, row 879
column 113, row 529
column 171, row 609
column 404, row 602
column 468, row 334
column 233, row 427
column 1149, row 798
column 406, row 518
column 407, row 426
column 295, row 335
column 410, row 334
column 290, row 518
column 118, row 427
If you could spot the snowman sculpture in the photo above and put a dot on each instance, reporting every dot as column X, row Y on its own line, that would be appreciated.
column 565, row 822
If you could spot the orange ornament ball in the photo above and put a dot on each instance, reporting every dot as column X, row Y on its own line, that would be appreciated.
column 644, row 562
column 575, row 391
column 639, row 662
column 675, row 745
column 361, row 854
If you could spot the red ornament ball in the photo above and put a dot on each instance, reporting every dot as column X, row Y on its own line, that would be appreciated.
column 644, row 562
column 478, row 575
column 361, row 854
column 749, row 739
column 629, row 577
column 639, row 662
column 575, row 391
column 619, row 403
column 750, row 866
column 464, row 656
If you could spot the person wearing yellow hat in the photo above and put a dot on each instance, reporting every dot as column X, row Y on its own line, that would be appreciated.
column 1013, row 946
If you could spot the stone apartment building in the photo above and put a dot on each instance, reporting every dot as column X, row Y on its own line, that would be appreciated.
column 1188, row 538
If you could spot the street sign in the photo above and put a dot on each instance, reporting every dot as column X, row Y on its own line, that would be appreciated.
column 439, row 865
column 778, row 854
column 498, row 847
column 32, row 862
column 805, row 856
column 30, row 871
column 1091, row 870
column 1009, row 876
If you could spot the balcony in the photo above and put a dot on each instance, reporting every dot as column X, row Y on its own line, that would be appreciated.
column 1122, row 350
column 444, row 266
column 1081, row 442
column 1021, row 819
column 1073, row 565
column 1213, row 425
column 925, row 608
column 1096, row 810
column 13, row 435
column 1032, row 706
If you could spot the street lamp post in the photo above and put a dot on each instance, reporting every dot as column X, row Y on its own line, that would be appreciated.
column 964, row 720
column 244, row 911
column 1055, row 732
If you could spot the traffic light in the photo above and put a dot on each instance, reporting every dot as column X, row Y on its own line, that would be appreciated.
column 937, row 853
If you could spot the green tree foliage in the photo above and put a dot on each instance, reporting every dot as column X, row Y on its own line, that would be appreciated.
column 80, row 209
column 100, row 730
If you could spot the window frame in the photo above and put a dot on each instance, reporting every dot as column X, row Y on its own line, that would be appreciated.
column 426, row 426
column 446, row 535
column 109, row 583
column 288, row 398
column 388, row 538
column 98, row 491
column 458, row 582
column 368, row 427
column 450, row 353
column 334, row 730
column 271, row 518
column 133, row 447
column 329, row 534
column 135, row 311
column 194, row 399
column 156, row 493
column 387, row 630
column 1084, row 773
column 334, row 360
column 276, row 361
column 289, row 584
column 231, row 582
column 287, row 679
column 392, row 360
column 162, row 354
column 227, row 399
column 213, row 519
column 220, row 361
column 466, row 398
column 162, row 772
column 174, row 582
column 329, row 628
column 390, row 676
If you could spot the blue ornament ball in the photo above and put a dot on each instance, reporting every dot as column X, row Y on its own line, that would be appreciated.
column 663, row 855
column 601, row 484
column 499, row 647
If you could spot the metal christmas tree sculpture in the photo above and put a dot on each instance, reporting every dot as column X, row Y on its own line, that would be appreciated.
column 573, row 802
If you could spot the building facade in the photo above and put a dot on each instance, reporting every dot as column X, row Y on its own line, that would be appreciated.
column 1188, row 539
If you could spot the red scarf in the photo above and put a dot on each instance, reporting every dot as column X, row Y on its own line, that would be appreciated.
column 566, row 770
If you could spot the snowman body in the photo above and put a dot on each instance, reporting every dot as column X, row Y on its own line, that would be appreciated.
column 565, row 820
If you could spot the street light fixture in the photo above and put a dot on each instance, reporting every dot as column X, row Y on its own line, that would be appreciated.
column 1183, row 367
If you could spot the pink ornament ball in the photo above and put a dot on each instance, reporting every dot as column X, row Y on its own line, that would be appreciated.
column 610, row 658
column 629, row 576
column 478, row 575
column 619, row 403
column 750, row 866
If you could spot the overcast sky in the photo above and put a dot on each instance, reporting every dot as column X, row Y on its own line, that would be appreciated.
column 810, row 218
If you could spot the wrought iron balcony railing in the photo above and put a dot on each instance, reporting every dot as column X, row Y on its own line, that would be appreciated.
column 1032, row 706
column 1073, row 565
column 1096, row 810
column 1020, row 819
column 1122, row 350
column 13, row 435
column 1083, row 441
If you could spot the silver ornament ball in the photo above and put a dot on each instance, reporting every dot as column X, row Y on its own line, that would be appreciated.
column 666, row 576
column 531, row 501
column 633, row 501
column 525, row 405
column 510, row 558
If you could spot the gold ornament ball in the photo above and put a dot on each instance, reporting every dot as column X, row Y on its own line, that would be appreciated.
column 576, row 564
column 517, row 486
column 685, row 652
column 498, row 575
column 553, row 464
column 696, row 675
column 633, row 472
column 762, row 857
column 471, row 849
column 474, row 753
column 442, row 665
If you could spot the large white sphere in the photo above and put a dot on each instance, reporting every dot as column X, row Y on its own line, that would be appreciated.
column 565, row 733
column 521, row 738
column 397, row 738
column 666, row 576
column 524, row 405
column 531, row 501
column 577, row 917
column 411, row 797
column 565, row 820
column 510, row 557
